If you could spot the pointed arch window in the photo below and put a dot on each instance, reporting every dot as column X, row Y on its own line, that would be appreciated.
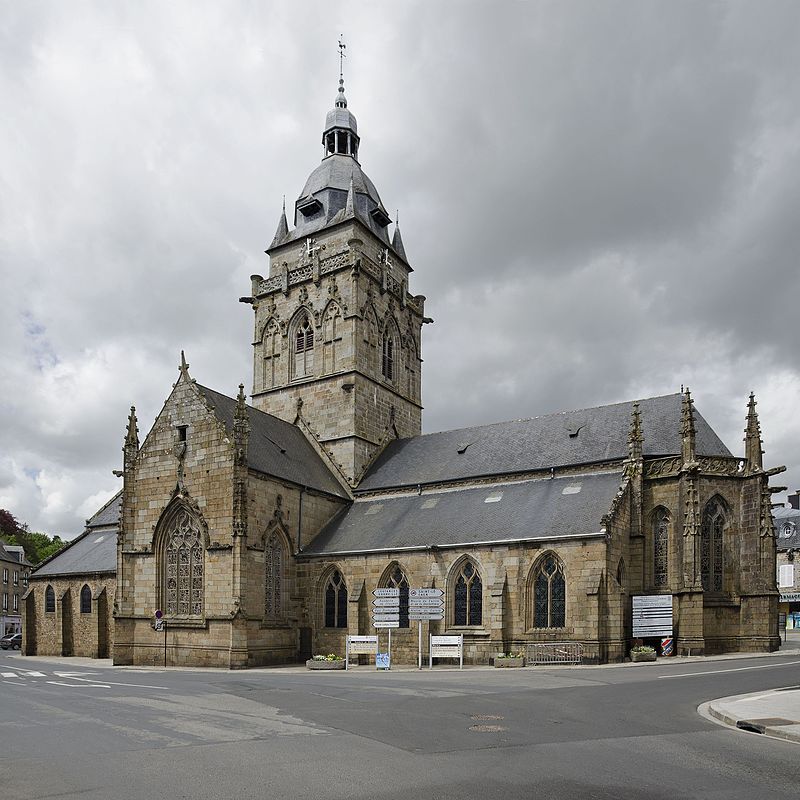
column 396, row 579
column 621, row 573
column 388, row 359
column 468, row 596
column 335, row 601
column 184, row 558
column 86, row 599
column 271, row 344
column 661, row 548
column 711, row 546
column 303, row 348
column 274, row 573
column 549, row 594
column 49, row 600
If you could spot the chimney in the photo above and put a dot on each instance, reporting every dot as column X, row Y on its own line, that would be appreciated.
column 794, row 500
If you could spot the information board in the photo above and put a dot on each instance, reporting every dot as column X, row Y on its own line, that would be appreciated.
column 446, row 647
column 652, row 615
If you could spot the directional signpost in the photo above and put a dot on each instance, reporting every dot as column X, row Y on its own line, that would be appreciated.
column 424, row 605
column 385, row 614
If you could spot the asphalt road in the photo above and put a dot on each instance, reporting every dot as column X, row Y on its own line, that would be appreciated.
column 69, row 730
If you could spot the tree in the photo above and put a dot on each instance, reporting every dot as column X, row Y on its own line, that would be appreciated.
column 37, row 546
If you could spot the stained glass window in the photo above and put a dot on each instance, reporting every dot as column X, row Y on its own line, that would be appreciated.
column 86, row 600
column 49, row 600
column 335, row 601
column 711, row 549
column 184, row 557
column 468, row 597
column 303, row 348
column 549, row 594
column 273, row 576
column 397, row 580
column 661, row 547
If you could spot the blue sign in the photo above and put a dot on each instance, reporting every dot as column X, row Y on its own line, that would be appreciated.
column 382, row 661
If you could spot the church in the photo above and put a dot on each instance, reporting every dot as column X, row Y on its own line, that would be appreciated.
column 260, row 529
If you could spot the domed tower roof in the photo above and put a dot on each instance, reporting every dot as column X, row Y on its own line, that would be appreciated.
column 338, row 188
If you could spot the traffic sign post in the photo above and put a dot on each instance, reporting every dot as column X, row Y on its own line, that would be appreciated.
column 424, row 605
column 160, row 624
column 385, row 614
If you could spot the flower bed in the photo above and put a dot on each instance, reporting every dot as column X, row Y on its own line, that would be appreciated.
column 331, row 661
column 509, row 660
column 643, row 653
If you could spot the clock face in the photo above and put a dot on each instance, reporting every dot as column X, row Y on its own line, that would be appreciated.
column 787, row 529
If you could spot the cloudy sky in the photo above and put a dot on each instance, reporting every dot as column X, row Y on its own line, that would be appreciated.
column 600, row 201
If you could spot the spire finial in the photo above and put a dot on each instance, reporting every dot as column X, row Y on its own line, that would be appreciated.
column 687, row 428
column 184, row 367
column 635, row 436
column 342, row 57
column 752, row 438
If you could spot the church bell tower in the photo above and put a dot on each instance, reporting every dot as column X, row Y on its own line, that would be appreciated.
column 337, row 333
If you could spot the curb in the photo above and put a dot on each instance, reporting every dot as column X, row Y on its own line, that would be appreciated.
column 717, row 714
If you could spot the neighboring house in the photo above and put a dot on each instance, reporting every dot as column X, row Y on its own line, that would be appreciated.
column 261, row 531
column 787, row 535
column 15, row 571
column 69, row 603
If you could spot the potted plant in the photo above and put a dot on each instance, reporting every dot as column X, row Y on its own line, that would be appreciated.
column 511, row 659
column 643, row 652
column 330, row 661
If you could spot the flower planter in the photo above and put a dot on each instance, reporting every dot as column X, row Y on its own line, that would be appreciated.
column 311, row 664
column 643, row 656
column 510, row 662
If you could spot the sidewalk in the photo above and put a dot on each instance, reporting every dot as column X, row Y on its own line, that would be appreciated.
column 774, row 713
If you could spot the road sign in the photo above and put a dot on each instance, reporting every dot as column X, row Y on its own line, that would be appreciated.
column 652, row 615
column 158, row 625
column 388, row 602
column 383, row 661
column 386, row 593
column 389, row 616
column 379, row 624
column 414, row 593
column 159, row 613
column 446, row 647
column 421, row 616
column 423, row 602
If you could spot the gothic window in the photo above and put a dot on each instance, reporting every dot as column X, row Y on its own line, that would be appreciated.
column 711, row 546
column 549, row 594
column 271, row 343
column 388, row 348
column 660, row 547
column 183, row 567
column 468, row 596
column 396, row 579
column 274, row 570
column 303, row 348
column 331, row 338
column 86, row 600
column 49, row 600
column 335, row 601
column 621, row 573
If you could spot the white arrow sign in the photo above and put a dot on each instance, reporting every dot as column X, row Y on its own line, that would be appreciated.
column 386, row 617
column 377, row 624
column 425, row 593
column 386, row 593
column 425, row 615
column 420, row 602
column 389, row 602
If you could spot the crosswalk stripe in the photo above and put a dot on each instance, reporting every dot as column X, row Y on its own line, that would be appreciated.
column 9, row 674
column 34, row 674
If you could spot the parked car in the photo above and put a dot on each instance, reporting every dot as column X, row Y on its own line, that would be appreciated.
column 11, row 640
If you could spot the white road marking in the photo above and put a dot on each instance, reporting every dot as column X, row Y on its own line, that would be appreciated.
column 112, row 683
column 73, row 674
column 80, row 685
column 9, row 674
column 33, row 674
column 719, row 671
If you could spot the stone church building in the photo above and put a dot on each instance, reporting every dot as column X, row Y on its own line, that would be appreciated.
column 261, row 529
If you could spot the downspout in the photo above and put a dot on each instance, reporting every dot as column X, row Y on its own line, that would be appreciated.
column 300, row 518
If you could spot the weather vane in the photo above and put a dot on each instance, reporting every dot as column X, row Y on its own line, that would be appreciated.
column 342, row 55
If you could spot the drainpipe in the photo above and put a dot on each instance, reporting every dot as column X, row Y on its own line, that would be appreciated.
column 300, row 518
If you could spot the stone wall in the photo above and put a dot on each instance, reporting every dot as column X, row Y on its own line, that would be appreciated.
column 66, row 631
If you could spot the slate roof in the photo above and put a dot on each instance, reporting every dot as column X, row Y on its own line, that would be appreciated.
column 95, row 550
column 277, row 447
column 528, row 510
column 538, row 443
column 781, row 517
column 11, row 557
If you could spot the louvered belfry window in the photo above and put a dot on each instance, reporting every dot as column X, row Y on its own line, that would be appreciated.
column 711, row 546
column 304, row 348
column 184, row 557
column 661, row 547
column 468, row 596
column 388, row 356
column 549, row 594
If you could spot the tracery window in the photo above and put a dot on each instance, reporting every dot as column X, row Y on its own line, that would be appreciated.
column 86, row 599
column 549, row 594
column 184, row 562
column 387, row 363
column 271, row 342
column 621, row 579
column 303, row 348
column 274, row 568
column 661, row 547
column 335, row 601
column 397, row 580
column 49, row 600
column 711, row 546
column 468, row 596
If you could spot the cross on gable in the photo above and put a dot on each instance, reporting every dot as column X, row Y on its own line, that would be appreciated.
column 385, row 258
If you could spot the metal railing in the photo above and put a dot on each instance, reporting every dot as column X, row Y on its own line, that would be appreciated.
column 554, row 653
